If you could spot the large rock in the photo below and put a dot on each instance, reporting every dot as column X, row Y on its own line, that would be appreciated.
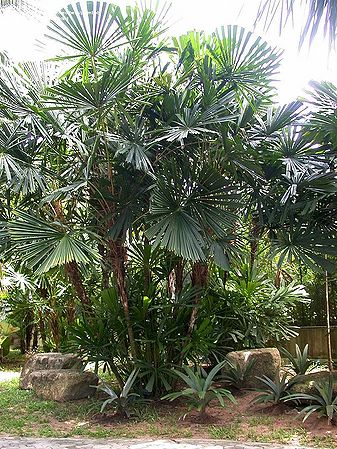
column 266, row 362
column 47, row 361
column 63, row 384
column 306, row 382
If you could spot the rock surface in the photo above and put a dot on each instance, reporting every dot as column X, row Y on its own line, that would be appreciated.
column 63, row 384
column 47, row 361
column 306, row 382
column 266, row 361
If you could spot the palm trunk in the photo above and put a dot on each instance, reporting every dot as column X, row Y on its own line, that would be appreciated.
column 75, row 278
column 54, row 324
column 43, row 293
column 42, row 330
column 104, row 266
column 29, row 332
column 278, row 278
column 255, row 233
column 199, row 280
column 179, row 275
column 35, row 338
column 71, row 268
column 327, row 299
column 117, row 255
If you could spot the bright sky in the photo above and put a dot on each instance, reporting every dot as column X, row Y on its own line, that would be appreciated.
column 18, row 34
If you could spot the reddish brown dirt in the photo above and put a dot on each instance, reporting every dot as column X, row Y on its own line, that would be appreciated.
column 250, row 421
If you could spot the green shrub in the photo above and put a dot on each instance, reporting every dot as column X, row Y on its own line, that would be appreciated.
column 274, row 391
column 124, row 400
column 201, row 389
column 324, row 402
column 300, row 363
column 236, row 374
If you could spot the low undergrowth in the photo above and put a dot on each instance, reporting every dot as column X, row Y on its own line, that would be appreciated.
column 22, row 414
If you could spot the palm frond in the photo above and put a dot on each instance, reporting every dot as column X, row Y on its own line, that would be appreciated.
column 189, row 205
column 317, row 13
column 86, row 31
column 46, row 245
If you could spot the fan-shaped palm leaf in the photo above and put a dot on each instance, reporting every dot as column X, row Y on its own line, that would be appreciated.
column 190, row 205
column 44, row 245
column 244, row 62
column 88, row 31
column 94, row 98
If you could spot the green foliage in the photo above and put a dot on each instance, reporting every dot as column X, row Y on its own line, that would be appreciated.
column 235, row 374
column 300, row 363
column 144, row 179
column 274, row 391
column 201, row 389
column 250, row 309
column 6, row 330
column 48, row 245
column 323, row 402
column 123, row 401
column 317, row 13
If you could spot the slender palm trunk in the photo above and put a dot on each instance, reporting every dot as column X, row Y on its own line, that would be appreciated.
column 42, row 329
column 71, row 268
column 199, row 280
column 179, row 276
column 74, row 275
column 117, row 255
column 255, row 232
column 35, row 338
column 327, row 299
column 104, row 266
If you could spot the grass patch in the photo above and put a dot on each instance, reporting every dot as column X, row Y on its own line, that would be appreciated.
column 23, row 414
column 231, row 432
column 324, row 442
column 282, row 436
column 255, row 421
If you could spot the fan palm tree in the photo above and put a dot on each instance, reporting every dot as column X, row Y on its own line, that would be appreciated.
column 124, row 147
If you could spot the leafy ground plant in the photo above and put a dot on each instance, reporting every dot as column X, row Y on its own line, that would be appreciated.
column 274, row 391
column 236, row 374
column 300, row 363
column 123, row 402
column 324, row 402
column 201, row 389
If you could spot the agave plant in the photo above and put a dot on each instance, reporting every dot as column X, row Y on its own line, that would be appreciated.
column 300, row 363
column 236, row 374
column 123, row 401
column 274, row 391
column 201, row 390
column 324, row 402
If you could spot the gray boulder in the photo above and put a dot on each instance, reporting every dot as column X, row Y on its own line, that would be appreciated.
column 63, row 384
column 266, row 362
column 47, row 361
column 306, row 383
